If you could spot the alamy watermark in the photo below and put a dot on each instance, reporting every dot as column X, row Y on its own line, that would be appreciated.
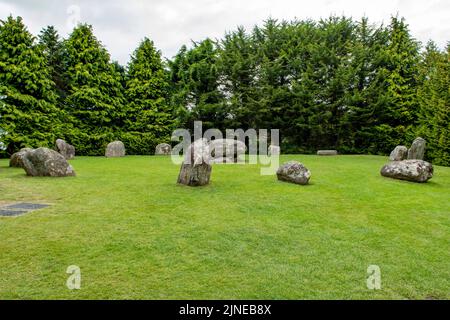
column 212, row 146
column 74, row 280
column 74, row 12
column 374, row 277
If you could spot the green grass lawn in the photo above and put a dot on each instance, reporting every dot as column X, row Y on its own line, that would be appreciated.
column 135, row 234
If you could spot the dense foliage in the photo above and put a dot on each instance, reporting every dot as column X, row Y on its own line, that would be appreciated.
column 334, row 83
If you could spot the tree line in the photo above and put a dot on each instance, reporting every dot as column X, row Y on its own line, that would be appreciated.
column 335, row 83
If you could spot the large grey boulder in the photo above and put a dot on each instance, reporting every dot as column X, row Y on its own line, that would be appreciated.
column 196, row 168
column 16, row 160
column 44, row 162
column 409, row 170
column 400, row 153
column 115, row 149
column 417, row 150
column 294, row 172
column 327, row 153
column 67, row 150
column 163, row 149
column 227, row 151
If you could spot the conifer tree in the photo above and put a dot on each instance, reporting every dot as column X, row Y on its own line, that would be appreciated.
column 28, row 113
column 149, row 112
column 53, row 49
column 95, row 100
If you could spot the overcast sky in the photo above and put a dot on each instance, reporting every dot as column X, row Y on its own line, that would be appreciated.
column 121, row 24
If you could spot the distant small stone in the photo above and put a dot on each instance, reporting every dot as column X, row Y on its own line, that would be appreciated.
column 115, row 149
column 44, row 162
column 417, row 150
column 16, row 160
column 163, row 149
column 409, row 170
column 400, row 153
column 196, row 168
column 327, row 153
column 294, row 172
column 274, row 151
column 67, row 150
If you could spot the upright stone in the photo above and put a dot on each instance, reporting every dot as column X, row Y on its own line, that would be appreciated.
column 115, row 149
column 44, row 162
column 163, row 149
column 409, row 170
column 417, row 150
column 294, row 172
column 67, row 150
column 16, row 160
column 196, row 168
column 400, row 153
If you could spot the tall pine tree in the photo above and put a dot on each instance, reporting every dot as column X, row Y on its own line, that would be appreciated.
column 28, row 114
column 149, row 114
column 95, row 100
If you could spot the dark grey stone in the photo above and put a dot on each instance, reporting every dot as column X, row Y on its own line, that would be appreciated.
column 115, row 149
column 44, row 162
column 409, row 170
column 11, row 213
column 196, row 168
column 294, row 172
column 417, row 150
column 67, row 150
column 163, row 149
column 27, row 206
column 16, row 160
column 327, row 153
column 400, row 153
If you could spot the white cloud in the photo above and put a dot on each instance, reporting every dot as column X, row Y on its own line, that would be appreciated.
column 121, row 24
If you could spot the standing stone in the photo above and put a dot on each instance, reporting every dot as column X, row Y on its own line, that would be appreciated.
column 409, row 170
column 16, row 160
column 400, row 153
column 44, row 162
column 294, row 172
column 327, row 153
column 196, row 168
column 115, row 149
column 227, row 151
column 67, row 150
column 417, row 150
column 163, row 149
column 274, row 151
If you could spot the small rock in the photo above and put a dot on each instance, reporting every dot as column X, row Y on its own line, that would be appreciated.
column 115, row 149
column 327, row 153
column 163, row 149
column 400, row 153
column 67, row 150
column 274, row 151
column 417, row 150
column 409, row 170
column 16, row 160
column 294, row 172
column 196, row 168
column 44, row 162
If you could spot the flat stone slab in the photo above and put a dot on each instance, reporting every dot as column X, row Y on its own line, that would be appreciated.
column 19, row 209
column 27, row 206
column 11, row 213
column 327, row 153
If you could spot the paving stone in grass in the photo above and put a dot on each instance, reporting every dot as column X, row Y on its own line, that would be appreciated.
column 11, row 213
column 27, row 206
